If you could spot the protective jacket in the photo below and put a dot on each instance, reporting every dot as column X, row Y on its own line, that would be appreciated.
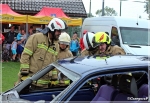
column 85, row 52
column 38, row 53
column 114, row 50
column 54, row 73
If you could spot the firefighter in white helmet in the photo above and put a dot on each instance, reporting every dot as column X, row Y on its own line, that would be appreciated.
column 40, row 50
column 89, row 49
column 64, row 52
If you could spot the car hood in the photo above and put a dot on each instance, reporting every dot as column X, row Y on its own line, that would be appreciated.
column 137, row 49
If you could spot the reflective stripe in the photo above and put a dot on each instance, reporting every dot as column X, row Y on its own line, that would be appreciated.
column 54, row 82
column 24, row 66
column 49, row 50
column 24, row 77
column 28, row 51
column 67, row 82
column 101, row 58
column 54, row 72
column 43, row 82
column 38, row 82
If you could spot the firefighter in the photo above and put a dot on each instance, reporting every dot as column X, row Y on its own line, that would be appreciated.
column 103, row 42
column 89, row 49
column 64, row 42
column 64, row 52
column 40, row 50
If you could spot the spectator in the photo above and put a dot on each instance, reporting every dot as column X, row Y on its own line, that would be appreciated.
column 81, row 40
column 30, row 32
column 13, row 49
column 74, row 45
column 2, row 38
column 21, row 37
column 9, row 39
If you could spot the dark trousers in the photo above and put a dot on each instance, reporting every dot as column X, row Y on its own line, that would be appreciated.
column 74, row 53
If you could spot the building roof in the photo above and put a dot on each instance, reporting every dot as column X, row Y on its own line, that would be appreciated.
column 73, row 8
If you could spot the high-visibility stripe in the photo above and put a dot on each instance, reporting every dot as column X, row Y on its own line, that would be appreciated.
column 49, row 50
column 54, row 82
column 101, row 58
column 24, row 77
column 24, row 66
column 67, row 82
column 54, row 72
column 28, row 51
column 43, row 82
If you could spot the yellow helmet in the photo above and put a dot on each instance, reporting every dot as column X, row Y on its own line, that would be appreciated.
column 101, row 37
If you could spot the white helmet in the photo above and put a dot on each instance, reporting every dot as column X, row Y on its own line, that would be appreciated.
column 57, row 24
column 87, row 40
column 64, row 38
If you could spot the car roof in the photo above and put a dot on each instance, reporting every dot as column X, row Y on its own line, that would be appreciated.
column 81, row 64
column 124, row 21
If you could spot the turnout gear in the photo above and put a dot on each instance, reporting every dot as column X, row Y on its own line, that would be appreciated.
column 40, row 50
column 114, row 50
column 87, row 41
column 85, row 52
column 64, row 38
column 37, row 54
column 64, row 54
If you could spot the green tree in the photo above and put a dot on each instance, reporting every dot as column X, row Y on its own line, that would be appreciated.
column 108, row 12
column 147, row 7
column 90, row 15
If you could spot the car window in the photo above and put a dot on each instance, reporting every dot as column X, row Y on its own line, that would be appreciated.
column 115, row 36
column 99, row 84
column 57, row 78
column 135, row 36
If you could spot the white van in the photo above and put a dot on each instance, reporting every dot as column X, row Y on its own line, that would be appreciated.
column 132, row 34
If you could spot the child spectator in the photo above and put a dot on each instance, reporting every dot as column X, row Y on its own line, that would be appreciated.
column 13, row 49
column 74, row 45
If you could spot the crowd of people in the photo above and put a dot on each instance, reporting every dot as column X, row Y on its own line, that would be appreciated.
column 37, row 50
column 13, row 44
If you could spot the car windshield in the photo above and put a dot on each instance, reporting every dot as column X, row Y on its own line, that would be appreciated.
column 135, row 36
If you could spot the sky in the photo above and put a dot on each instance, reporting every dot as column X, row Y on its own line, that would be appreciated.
column 129, row 8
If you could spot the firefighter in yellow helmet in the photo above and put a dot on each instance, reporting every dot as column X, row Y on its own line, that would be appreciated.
column 64, row 52
column 103, row 41
column 89, row 49
column 40, row 50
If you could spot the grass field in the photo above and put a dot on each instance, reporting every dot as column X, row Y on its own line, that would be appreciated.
column 9, row 74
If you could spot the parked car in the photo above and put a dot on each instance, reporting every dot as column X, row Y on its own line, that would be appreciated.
column 93, row 79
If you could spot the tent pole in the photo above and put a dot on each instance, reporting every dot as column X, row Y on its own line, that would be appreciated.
column 27, row 25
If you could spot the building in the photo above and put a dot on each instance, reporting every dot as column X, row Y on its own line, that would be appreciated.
column 72, row 8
